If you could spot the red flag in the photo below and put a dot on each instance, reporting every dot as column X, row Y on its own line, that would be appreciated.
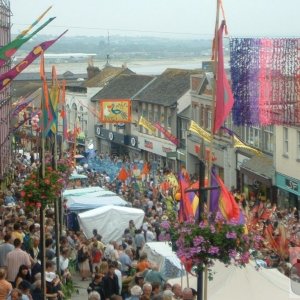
column 228, row 206
column 224, row 96
column 123, row 175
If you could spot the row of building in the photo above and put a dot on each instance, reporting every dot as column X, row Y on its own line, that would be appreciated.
column 173, row 99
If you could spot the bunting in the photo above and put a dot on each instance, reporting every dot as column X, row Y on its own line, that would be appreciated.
column 7, row 77
column 146, row 124
column 7, row 51
column 194, row 127
column 22, row 105
column 167, row 134
column 265, row 81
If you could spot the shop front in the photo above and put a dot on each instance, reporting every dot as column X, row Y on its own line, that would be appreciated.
column 155, row 150
column 257, row 178
column 288, row 192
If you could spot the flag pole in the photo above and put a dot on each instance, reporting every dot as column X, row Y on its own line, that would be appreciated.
column 213, row 115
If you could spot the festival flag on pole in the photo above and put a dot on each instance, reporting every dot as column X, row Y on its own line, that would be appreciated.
column 7, row 51
column 25, row 31
column 123, row 175
column 214, row 193
column 63, row 113
column 194, row 127
column 146, row 124
column 227, row 204
column 54, row 98
column 21, row 105
column 186, row 210
column 7, row 77
column 224, row 96
column 48, row 115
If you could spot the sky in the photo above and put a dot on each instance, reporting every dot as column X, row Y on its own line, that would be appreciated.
column 162, row 18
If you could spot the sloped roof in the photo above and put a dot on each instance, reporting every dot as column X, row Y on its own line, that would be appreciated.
column 123, row 86
column 167, row 88
column 106, row 75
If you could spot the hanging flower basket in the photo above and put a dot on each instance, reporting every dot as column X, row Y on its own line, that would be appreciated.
column 200, row 245
column 39, row 191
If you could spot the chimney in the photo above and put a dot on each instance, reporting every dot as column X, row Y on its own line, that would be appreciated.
column 92, row 71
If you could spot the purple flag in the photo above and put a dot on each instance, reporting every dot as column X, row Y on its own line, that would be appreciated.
column 7, row 77
column 214, row 193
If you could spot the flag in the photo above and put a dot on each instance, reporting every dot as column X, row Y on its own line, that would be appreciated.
column 186, row 209
column 123, row 175
column 227, row 204
column 167, row 134
column 7, row 51
column 54, row 99
column 63, row 113
column 25, row 31
column 224, row 96
column 238, row 143
column 194, row 127
column 146, row 124
column 214, row 193
column 48, row 116
column 7, row 77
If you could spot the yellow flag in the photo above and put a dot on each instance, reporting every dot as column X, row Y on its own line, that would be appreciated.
column 237, row 143
column 194, row 127
column 146, row 124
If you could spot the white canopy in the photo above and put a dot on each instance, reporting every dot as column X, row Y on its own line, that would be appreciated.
column 110, row 221
column 234, row 283
column 83, row 191
column 94, row 200
column 167, row 260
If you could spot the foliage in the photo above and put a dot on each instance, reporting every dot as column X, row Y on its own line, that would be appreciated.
column 200, row 245
column 68, row 289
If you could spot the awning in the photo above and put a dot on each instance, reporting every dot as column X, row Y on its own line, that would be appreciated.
column 259, row 168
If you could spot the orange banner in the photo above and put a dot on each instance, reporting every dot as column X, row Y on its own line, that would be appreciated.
column 115, row 111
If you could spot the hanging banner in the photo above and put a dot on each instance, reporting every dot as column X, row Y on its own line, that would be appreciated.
column 194, row 127
column 167, row 134
column 115, row 111
column 146, row 124
column 265, row 81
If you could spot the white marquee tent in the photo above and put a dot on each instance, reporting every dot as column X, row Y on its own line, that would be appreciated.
column 82, row 191
column 110, row 221
column 234, row 283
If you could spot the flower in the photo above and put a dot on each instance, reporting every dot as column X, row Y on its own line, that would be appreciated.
column 231, row 235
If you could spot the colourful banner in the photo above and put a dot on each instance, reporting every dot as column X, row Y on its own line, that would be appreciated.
column 7, row 51
column 167, row 134
column 7, row 77
column 146, row 124
column 194, row 127
column 115, row 111
column 17, row 126
column 20, row 106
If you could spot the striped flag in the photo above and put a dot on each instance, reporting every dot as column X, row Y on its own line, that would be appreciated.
column 63, row 113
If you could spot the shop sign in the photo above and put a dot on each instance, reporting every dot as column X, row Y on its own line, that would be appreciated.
column 166, row 149
column 291, row 184
column 148, row 144
column 133, row 141
column 110, row 136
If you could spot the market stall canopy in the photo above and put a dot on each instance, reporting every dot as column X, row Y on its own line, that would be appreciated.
column 75, row 176
column 84, row 191
column 110, row 221
column 94, row 200
column 167, row 260
column 235, row 283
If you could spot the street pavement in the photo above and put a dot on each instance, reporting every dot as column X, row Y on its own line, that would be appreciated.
column 81, row 286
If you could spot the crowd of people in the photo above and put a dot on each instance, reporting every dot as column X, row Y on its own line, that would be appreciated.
column 119, row 269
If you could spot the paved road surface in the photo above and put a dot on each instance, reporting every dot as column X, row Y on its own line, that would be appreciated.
column 81, row 286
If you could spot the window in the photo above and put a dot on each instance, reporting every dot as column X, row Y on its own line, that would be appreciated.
column 268, row 139
column 209, row 120
column 298, row 145
column 285, row 141
column 252, row 135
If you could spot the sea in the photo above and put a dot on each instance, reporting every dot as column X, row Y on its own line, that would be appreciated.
column 143, row 67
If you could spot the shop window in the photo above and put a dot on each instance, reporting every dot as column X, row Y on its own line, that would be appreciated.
column 209, row 120
column 285, row 141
